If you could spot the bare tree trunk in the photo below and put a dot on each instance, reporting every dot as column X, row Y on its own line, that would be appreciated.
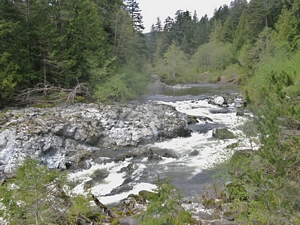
column 45, row 76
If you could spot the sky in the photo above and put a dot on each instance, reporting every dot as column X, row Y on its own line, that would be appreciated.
column 151, row 9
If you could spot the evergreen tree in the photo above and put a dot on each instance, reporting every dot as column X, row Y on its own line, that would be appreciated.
column 221, row 14
column 152, row 43
column 257, row 19
column 123, row 36
column 135, row 14
column 217, row 32
column 84, row 44
column 183, row 31
column 202, row 30
column 19, row 46
column 158, row 25
column 240, row 35
column 286, row 28
column 168, row 24
column 230, row 25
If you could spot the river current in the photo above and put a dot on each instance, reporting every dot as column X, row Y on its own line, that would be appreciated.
column 196, row 155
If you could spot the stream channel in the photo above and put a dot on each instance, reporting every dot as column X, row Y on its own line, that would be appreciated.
column 190, row 170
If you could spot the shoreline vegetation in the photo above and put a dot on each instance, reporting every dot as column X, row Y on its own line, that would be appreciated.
column 99, row 45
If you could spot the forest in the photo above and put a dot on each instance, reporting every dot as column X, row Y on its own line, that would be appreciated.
column 53, row 47
column 78, row 50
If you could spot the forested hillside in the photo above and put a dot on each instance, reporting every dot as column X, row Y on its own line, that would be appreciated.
column 52, row 46
column 227, row 47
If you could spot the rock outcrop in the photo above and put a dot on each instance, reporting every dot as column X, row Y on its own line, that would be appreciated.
column 63, row 135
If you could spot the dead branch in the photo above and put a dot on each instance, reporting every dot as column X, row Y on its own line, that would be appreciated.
column 104, row 207
column 37, row 94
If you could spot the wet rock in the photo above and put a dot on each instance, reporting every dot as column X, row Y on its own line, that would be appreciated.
column 194, row 153
column 192, row 119
column 218, row 100
column 240, row 113
column 221, row 110
column 100, row 174
column 120, row 189
column 153, row 156
column 154, row 153
column 203, row 128
column 223, row 133
column 130, row 168
column 85, row 164
column 204, row 118
column 168, row 153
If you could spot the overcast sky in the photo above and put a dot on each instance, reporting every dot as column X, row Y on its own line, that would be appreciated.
column 151, row 9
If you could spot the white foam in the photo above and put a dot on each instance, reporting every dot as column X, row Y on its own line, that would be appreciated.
column 113, row 180
column 210, row 151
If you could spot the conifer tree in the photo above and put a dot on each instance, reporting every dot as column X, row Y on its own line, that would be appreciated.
column 135, row 14
column 286, row 28
column 203, row 30
column 230, row 25
column 240, row 35
column 257, row 19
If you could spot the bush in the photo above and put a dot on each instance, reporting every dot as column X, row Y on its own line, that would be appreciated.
column 38, row 195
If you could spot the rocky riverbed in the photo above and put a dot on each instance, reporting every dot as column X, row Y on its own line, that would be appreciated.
column 61, row 137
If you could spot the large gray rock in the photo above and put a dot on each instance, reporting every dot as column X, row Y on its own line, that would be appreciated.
column 61, row 137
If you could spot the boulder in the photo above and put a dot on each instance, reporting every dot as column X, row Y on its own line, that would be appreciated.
column 218, row 100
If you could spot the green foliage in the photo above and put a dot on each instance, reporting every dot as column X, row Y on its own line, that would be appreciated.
column 173, row 64
column 287, row 30
column 270, row 173
column 212, row 56
column 38, row 195
column 135, row 79
column 113, row 89
column 165, row 208
column 128, row 83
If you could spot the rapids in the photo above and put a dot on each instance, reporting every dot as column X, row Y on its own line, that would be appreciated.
column 196, row 154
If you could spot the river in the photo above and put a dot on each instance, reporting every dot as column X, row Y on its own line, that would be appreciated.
column 191, row 170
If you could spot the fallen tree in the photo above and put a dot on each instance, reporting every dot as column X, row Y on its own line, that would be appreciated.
column 50, row 94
